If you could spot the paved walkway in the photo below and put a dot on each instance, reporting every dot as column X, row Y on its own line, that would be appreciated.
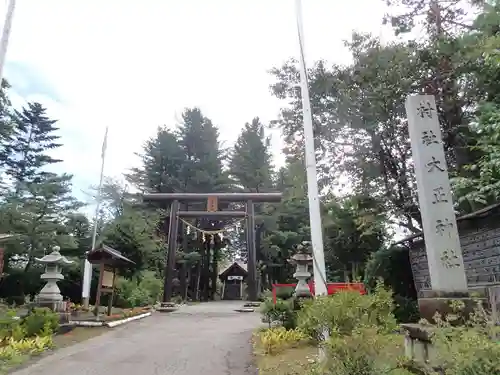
column 204, row 339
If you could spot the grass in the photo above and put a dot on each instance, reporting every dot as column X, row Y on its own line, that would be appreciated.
column 290, row 362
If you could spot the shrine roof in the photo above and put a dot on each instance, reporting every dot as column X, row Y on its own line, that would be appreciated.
column 233, row 265
column 484, row 212
column 108, row 256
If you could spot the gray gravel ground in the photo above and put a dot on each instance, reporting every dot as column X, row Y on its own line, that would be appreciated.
column 204, row 339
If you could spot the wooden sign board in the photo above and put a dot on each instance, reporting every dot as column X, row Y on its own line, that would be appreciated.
column 212, row 204
column 107, row 278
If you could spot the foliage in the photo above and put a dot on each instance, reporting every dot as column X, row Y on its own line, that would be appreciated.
column 275, row 340
column 17, row 350
column 40, row 322
column 132, row 233
column 471, row 348
column 282, row 312
column 406, row 309
column 391, row 264
column 484, row 187
column 365, row 352
column 135, row 293
column 345, row 311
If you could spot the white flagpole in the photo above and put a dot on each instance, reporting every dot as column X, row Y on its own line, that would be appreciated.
column 4, row 42
column 312, row 178
column 87, row 270
column 319, row 269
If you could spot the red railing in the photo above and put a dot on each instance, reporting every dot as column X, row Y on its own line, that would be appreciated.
column 330, row 287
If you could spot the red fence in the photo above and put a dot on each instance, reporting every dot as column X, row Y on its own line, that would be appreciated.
column 331, row 288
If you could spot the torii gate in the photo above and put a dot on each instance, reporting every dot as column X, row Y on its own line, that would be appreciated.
column 212, row 200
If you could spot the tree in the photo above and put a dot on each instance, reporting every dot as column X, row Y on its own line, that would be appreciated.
column 250, row 162
column 354, row 228
column 161, row 159
column 132, row 233
column 32, row 140
column 358, row 113
column 199, row 140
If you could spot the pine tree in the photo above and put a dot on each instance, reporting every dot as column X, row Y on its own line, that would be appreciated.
column 32, row 139
column 250, row 164
column 199, row 139
column 162, row 158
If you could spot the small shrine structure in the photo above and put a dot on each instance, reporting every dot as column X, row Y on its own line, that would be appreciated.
column 109, row 261
column 233, row 280
column 50, row 295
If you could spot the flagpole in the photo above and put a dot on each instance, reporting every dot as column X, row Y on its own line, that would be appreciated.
column 319, row 269
column 87, row 270
column 4, row 42
column 312, row 178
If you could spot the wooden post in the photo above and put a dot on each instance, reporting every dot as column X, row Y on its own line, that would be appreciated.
column 171, row 250
column 251, row 251
column 99, row 288
column 223, row 289
column 112, row 296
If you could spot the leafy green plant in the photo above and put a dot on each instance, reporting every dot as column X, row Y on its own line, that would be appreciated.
column 40, row 322
column 275, row 340
column 282, row 312
column 468, row 349
column 363, row 352
column 134, row 293
column 343, row 312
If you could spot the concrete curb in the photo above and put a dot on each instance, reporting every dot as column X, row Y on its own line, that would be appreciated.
column 112, row 324
column 126, row 320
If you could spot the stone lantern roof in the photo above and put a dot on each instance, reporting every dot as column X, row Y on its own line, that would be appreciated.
column 54, row 258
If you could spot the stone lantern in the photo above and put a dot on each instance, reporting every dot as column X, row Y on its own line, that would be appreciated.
column 50, row 295
column 302, row 260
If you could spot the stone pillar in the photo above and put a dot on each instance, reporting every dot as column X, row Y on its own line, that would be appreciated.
column 50, row 295
column 444, row 254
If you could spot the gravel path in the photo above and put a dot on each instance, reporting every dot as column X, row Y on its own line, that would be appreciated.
column 205, row 339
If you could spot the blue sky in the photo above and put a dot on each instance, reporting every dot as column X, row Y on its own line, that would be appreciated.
column 133, row 65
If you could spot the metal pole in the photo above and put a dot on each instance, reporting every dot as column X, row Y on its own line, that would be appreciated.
column 4, row 42
column 312, row 179
column 87, row 268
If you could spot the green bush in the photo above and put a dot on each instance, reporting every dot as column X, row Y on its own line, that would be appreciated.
column 406, row 309
column 138, row 293
column 469, row 349
column 364, row 352
column 343, row 312
column 285, row 292
column 40, row 322
column 282, row 312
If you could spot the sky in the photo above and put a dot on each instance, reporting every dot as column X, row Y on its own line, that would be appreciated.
column 134, row 65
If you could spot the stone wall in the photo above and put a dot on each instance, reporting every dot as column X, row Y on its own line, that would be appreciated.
column 480, row 241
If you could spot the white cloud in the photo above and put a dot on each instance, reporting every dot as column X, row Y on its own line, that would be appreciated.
column 134, row 65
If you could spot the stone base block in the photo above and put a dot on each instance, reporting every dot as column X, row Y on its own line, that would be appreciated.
column 167, row 307
column 435, row 302
column 245, row 309
column 252, row 304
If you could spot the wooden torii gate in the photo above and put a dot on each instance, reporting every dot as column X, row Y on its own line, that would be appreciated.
column 212, row 199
